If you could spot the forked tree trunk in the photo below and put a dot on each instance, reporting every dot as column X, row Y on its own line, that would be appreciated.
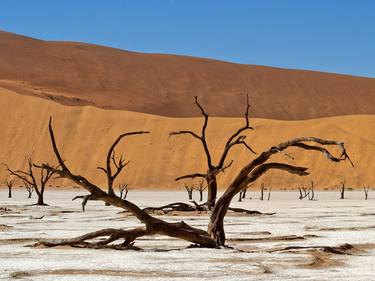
column 40, row 201
column 366, row 189
column 189, row 190
column 40, row 194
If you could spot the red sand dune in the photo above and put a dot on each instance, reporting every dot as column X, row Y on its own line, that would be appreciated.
column 84, row 74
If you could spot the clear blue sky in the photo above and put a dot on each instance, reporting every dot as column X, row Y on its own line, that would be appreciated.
column 327, row 35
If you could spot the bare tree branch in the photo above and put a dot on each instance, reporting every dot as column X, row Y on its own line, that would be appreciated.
column 120, row 164
column 185, row 132
column 191, row 176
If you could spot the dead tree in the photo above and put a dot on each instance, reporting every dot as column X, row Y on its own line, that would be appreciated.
column 215, row 235
column 244, row 193
column 342, row 190
column 214, row 169
column 259, row 166
column 269, row 194
column 30, row 178
column 29, row 188
column 119, row 164
column 303, row 192
column 9, row 184
column 366, row 190
column 311, row 193
column 189, row 190
column 124, row 190
column 262, row 189
column 201, row 188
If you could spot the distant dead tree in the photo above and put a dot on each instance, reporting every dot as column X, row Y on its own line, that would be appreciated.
column 311, row 193
column 189, row 189
column 366, row 190
column 29, row 188
column 201, row 187
column 242, row 193
column 112, row 160
column 124, row 190
column 262, row 189
column 29, row 177
column 269, row 194
column 214, row 169
column 303, row 192
column 9, row 184
column 215, row 234
column 342, row 190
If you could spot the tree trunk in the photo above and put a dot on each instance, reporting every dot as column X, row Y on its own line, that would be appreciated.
column 40, row 200
column 9, row 192
column 216, row 224
column 262, row 192
column 110, row 189
column 240, row 196
column 212, row 191
column 342, row 193
column 200, row 195
column 244, row 193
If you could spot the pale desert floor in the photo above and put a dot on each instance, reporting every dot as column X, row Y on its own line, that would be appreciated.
column 328, row 221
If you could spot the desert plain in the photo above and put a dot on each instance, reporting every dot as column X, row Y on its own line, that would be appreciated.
column 326, row 239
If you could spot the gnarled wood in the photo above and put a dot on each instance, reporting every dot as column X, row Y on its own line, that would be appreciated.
column 257, row 167
column 213, row 170
column 152, row 225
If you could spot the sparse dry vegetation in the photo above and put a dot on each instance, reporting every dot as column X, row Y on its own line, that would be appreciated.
column 29, row 176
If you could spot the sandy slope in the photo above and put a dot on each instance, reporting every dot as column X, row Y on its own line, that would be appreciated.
column 79, row 74
column 84, row 134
